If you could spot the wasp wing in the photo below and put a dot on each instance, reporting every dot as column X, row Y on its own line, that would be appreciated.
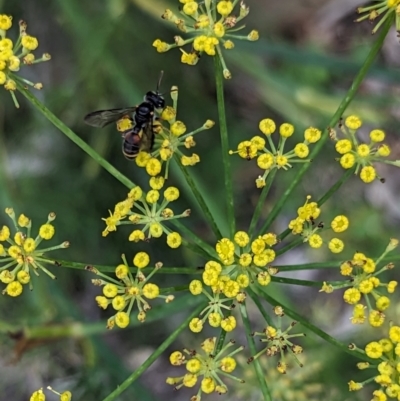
column 101, row 118
column 147, row 137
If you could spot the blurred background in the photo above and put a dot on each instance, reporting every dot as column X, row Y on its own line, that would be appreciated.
column 298, row 72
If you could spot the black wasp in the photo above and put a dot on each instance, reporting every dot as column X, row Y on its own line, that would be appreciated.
column 141, row 135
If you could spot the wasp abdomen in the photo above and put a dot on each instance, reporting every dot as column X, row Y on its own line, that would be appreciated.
column 131, row 144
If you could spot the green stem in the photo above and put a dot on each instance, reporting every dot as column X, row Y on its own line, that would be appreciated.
column 263, row 312
column 83, row 330
column 261, row 201
column 250, row 340
column 219, row 82
column 335, row 187
column 288, row 247
column 332, row 123
column 309, row 266
column 152, row 358
column 325, row 336
column 295, row 281
column 111, row 269
column 197, row 194
column 74, row 138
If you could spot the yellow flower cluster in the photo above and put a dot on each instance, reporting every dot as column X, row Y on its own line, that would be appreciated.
column 40, row 396
column 362, row 155
column 386, row 352
column 210, row 24
column 19, row 253
column 363, row 281
column 142, row 209
column 121, row 294
column 278, row 341
column 379, row 8
column 206, row 365
column 305, row 225
column 169, row 139
column 11, row 55
column 243, row 262
column 275, row 158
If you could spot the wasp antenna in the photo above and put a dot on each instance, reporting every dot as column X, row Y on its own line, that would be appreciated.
column 160, row 79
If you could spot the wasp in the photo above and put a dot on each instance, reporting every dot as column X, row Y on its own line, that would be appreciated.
column 143, row 116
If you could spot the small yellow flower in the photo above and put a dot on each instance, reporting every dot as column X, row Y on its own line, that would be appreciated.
column 153, row 167
column 196, row 325
column 267, row 126
column 241, row 238
column 136, row 236
column 312, row 135
column 353, row 122
column 265, row 161
column 122, row 319
column 301, row 150
column 152, row 196
column 228, row 324
column 225, row 8
column 29, row 42
column 377, row 135
column 37, row 395
column 141, row 260
column 171, row 194
column 340, row 224
column 195, row 287
column 363, row 150
column 347, row 160
column 336, row 245
column 47, row 231
column 343, row 146
column 178, row 128
column 286, row 130
column 368, row 174
column 374, row 350
column 174, row 240
column 14, row 289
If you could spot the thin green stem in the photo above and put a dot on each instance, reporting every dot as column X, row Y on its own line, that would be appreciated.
column 308, row 266
column 261, row 202
column 199, row 197
column 250, row 340
column 335, row 187
column 74, row 138
column 263, row 312
column 152, row 358
column 110, row 269
column 219, row 81
column 325, row 336
column 332, row 123
column 77, row 329
column 295, row 281
column 288, row 247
